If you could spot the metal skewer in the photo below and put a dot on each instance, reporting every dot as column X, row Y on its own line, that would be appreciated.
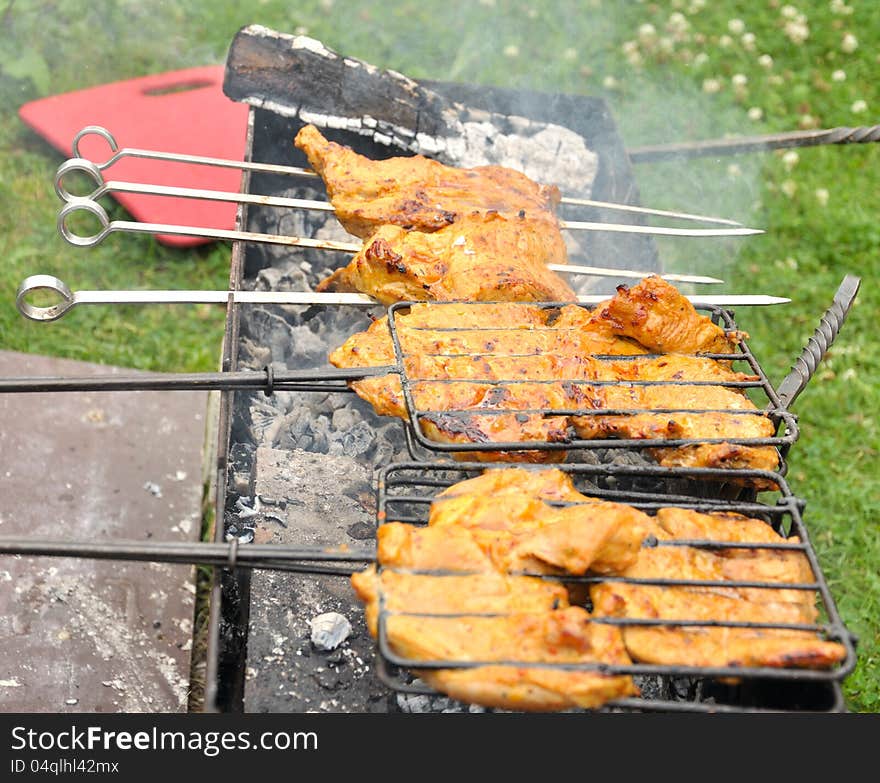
column 69, row 299
column 111, row 226
column 111, row 186
column 301, row 172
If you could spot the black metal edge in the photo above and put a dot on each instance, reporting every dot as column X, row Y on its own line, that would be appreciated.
column 835, row 700
column 222, row 692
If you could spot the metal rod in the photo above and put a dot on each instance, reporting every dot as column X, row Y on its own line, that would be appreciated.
column 68, row 299
column 300, row 172
column 832, row 321
column 661, row 231
column 206, row 553
column 773, row 141
column 601, row 271
column 112, row 186
column 586, row 202
column 130, row 152
column 104, row 188
column 280, row 380
column 110, row 226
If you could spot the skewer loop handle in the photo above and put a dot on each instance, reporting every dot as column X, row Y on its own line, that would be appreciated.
column 96, row 130
column 87, row 205
column 84, row 167
column 43, row 283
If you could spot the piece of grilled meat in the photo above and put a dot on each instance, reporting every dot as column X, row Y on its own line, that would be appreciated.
column 565, row 636
column 718, row 645
column 660, row 318
column 541, row 361
column 417, row 192
column 481, row 257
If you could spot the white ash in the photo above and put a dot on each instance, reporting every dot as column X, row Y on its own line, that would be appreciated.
column 329, row 630
column 554, row 155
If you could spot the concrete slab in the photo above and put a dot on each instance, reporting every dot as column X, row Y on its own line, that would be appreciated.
column 81, row 635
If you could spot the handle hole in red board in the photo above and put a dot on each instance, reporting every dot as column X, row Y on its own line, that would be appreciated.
column 169, row 89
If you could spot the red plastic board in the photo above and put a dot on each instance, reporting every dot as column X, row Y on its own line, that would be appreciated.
column 181, row 112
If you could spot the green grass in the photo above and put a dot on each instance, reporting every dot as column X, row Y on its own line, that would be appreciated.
column 578, row 47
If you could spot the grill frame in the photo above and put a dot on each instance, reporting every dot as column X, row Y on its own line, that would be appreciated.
column 787, row 506
column 775, row 409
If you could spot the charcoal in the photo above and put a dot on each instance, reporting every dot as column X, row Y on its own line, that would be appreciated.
column 358, row 439
column 345, row 418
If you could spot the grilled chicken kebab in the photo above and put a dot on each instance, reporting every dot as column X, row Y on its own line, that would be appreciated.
column 415, row 192
column 474, row 384
column 482, row 531
column 434, row 232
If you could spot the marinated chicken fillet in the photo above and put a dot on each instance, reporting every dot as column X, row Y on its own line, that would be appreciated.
column 601, row 537
column 722, row 645
column 417, row 192
column 480, row 258
column 559, row 347
column 566, row 636
column 455, row 413
column 655, row 314
column 488, row 593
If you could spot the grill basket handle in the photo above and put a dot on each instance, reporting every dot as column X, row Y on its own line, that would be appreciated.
column 817, row 346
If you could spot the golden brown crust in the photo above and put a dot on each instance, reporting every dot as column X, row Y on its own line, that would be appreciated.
column 718, row 646
column 416, row 192
column 480, row 258
column 660, row 318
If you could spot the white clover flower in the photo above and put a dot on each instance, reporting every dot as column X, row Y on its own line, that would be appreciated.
column 739, row 80
column 677, row 23
column 488, row 3
column 790, row 262
column 849, row 43
column 789, row 187
column 790, row 160
column 301, row 30
column 711, row 86
column 666, row 45
column 808, row 121
column 838, row 76
column 789, row 11
column 647, row 32
column 725, row 41
column 696, row 6
column 736, row 26
column 701, row 58
column 822, row 196
column 734, row 171
column 756, row 113
column 570, row 53
column 511, row 50
column 797, row 31
column 628, row 47
column 775, row 79
column 749, row 42
column 848, row 374
column 610, row 83
column 765, row 61
column 840, row 7
column 859, row 107
column 532, row 13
